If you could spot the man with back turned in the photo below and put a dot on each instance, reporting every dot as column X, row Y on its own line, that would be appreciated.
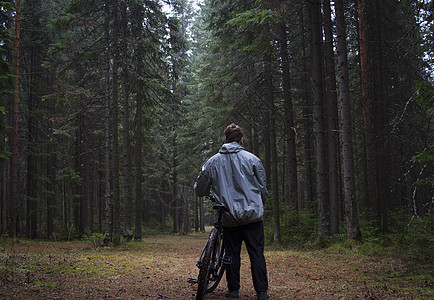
column 237, row 178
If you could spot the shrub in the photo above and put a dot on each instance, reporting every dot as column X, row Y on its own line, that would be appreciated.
column 96, row 239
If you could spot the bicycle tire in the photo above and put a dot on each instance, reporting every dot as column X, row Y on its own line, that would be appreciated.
column 218, row 266
column 202, row 280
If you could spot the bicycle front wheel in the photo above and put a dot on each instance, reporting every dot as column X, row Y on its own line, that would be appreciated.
column 204, row 269
column 217, row 266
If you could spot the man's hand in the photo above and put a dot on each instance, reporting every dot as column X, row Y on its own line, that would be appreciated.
column 203, row 184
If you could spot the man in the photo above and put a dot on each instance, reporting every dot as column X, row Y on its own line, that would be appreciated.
column 237, row 178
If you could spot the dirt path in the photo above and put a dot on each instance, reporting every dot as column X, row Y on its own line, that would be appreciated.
column 159, row 267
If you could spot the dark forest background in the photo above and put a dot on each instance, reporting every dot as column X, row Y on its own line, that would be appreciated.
column 114, row 105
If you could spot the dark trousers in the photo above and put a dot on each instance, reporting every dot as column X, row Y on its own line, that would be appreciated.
column 253, row 236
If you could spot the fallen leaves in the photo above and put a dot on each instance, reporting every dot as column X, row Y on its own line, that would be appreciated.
column 160, row 267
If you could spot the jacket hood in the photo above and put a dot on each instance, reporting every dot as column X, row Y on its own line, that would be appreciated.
column 233, row 147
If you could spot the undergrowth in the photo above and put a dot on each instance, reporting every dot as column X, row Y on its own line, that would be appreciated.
column 410, row 237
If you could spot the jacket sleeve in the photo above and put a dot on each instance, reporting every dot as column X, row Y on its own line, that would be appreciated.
column 262, row 179
column 203, row 184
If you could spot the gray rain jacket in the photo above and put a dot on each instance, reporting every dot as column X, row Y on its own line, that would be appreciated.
column 237, row 178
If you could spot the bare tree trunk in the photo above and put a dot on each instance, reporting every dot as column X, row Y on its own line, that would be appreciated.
column 176, row 200
column 273, row 151
column 201, row 214
column 76, row 201
column 114, row 116
column 267, row 144
column 31, row 195
column 371, row 174
column 32, row 141
column 331, row 120
column 255, row 138
column 308, row 178
column 14, row 135
column 4, row 196
column 51, row 186
column 139, row 137
column 289, row 121
column 163, row 210
column 108, row 208
column 185, row 216
column 353, row 230
column 317, row 82
column 196, row 213
column 382, row 144
column 126, row 124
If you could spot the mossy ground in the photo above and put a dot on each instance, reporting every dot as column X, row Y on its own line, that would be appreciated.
column 158, row 268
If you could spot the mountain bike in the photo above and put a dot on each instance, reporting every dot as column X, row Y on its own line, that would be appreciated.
column 212, row 259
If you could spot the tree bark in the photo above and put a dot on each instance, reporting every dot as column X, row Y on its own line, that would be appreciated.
column 273, row 151
column 289, row 121
column 320, row 139
column 14, row 134
column 139, row 117
column 382, row 151
column 331, row 120
column 126, row 124
column 308, row 178
column 114, row 117
column 32, row 136
column 196, row 213
column 351, row 215
column 107, row 195
column 176, row 200
column 371, row 174
column 51, row 186
column 201, row 214
column 185, row 216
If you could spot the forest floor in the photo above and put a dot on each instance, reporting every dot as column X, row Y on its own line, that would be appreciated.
column 158, row 268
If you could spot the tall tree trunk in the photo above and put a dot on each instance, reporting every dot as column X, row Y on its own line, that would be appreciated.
column 308, row 178
column 50, row 186
column 14, row 134
column 289, row 121
column 163, row 199
column 32, row 134
column 176, row 201
column 126, row 123
column 201, row 214
column 273, row 151
column 255, row 110
column 93, row 182
column 371, row 174
column 255, row 138
column 185, row 216
column 382, row 150
column 114, row 117
column 267, row 144
column 4, row 195
column 108, row 206
column 139, row 137
column 331, row 120
column 353, row 230
column 163, row 214
column 84, row 174
column 196, row 213
column 320, row 139
column 76, row 201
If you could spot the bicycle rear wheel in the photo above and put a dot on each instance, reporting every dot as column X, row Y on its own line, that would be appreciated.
column 204, row 268
column 217, row 267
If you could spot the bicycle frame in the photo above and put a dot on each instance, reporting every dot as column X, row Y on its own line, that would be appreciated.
column 219, row 226
column 212, row 258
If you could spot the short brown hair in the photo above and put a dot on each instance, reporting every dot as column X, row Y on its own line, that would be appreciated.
column 233, row 133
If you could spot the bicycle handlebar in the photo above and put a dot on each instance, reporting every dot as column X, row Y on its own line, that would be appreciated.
column 212, row 198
